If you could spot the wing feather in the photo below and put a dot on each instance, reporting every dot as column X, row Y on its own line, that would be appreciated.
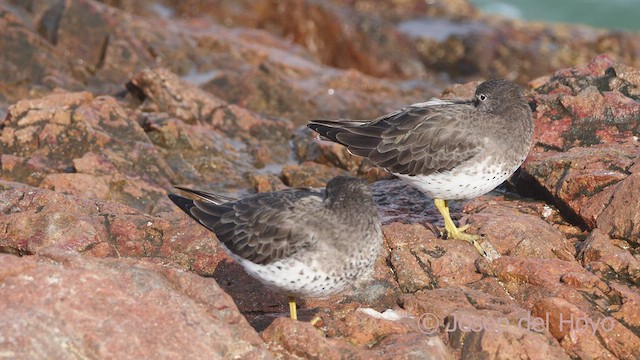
column 262, row 228
column 420, row 139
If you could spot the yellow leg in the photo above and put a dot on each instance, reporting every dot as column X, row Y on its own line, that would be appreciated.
column 292, row 308
column 454, row 232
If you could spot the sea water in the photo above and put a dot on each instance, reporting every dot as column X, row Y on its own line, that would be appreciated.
column 609, row 14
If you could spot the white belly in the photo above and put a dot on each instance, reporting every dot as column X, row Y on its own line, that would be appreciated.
column 295, row 278
column 462, row 182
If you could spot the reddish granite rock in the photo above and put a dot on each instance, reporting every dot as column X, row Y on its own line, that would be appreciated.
column 36, row 219
column 586, row 133
column 364, row 326
column 163, row 91
column 583, row 334
column 606, row 256
column 587, row 105
column 295, row 339
column 309, row 174
column 581, row 181
column 627, row 309
column 621, row 218
column 529, row 280
column 514, row 231
column 205, row 139
column 476, row 323
column 266, row 182
column 560, row 291
column 226, row 126
column 29, row 65
column 566, row 324
column 420, row 260
column 49, row 136
column 248, row 67
column 61, row 304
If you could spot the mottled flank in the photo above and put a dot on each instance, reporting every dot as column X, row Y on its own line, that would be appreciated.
column 301, row 242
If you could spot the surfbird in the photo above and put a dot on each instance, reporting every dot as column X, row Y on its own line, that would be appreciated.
column 449, row 149
column 301, row 242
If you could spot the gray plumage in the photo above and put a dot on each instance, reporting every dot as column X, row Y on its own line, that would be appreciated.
column 299, row 241
column 492, row 133
column 448, row 149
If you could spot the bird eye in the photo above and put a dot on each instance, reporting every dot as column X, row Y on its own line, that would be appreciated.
column 482, row 97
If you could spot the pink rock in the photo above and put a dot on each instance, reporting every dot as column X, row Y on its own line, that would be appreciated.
column 62, row 304
column 602, row 254
column 514, row 232
column 37, row 219
column 621, row 218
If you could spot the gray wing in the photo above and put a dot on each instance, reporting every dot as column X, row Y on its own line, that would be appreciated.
column 415, row 140
column 262, row 228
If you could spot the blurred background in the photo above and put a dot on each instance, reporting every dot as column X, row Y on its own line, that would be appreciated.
column 613, row 14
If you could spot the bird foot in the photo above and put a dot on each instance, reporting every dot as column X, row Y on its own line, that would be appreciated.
column 316, row 319
column 485, row 248
column 316, row 322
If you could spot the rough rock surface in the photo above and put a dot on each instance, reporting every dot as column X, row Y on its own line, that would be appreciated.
column 104, row 106
column 60, row 304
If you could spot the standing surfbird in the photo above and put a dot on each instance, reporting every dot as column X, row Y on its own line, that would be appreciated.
column 448, row 149
column 301, row 242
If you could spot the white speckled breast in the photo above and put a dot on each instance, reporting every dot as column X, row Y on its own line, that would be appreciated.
column 463, row 182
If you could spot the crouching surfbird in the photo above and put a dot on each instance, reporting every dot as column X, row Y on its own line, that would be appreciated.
column 301, row 242
column 449, row 149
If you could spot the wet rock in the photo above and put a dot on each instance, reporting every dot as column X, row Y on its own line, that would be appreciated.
column 399, row 202
column 61, row 304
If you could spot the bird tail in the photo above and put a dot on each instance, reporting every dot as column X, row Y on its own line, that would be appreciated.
column 207, row 196
column 329, row 129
